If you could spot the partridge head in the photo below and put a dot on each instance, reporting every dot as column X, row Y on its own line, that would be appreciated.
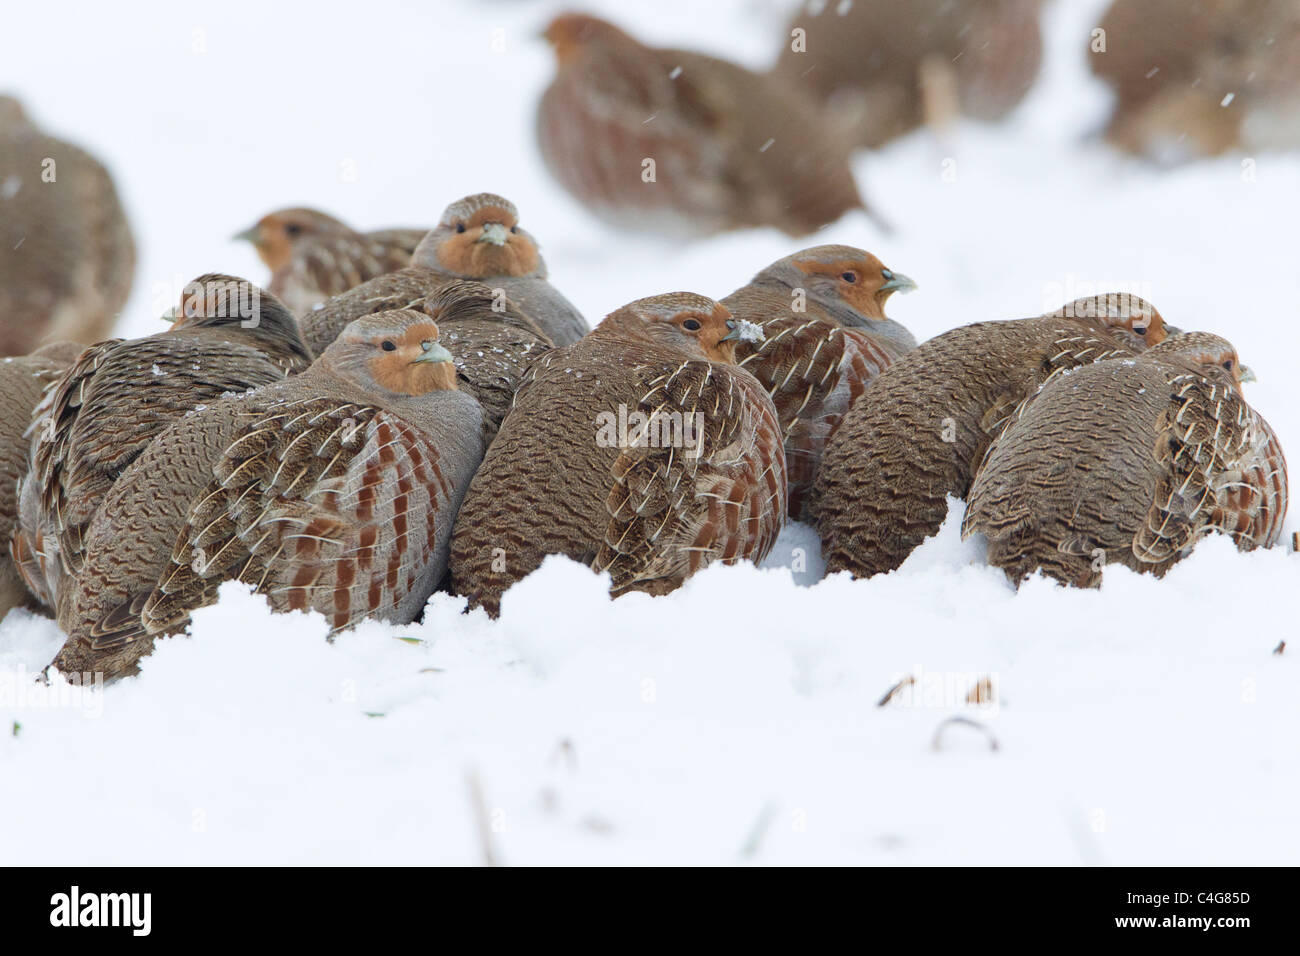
column 313, row 256
column 479, row 237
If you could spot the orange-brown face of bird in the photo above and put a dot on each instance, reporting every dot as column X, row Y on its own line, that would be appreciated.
column 863, row 283
column 569, row 33
column 276, row 233
column 1132, row 319
column 412, row 362
column 1213, row 355
column 681, row 321
column 486, row 243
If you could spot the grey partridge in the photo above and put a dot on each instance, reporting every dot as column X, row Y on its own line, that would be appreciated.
column 918, row 431
column 642, row 450
column 825, row 336
column 1130, row 461
column 313, row 256
column 885, row 66
column 22, row 381
column 334, row 491
column 1197, row 78
column 67, row 259
column 227, row 336
column 478, row 237
column 679, row 142
column 492, row 341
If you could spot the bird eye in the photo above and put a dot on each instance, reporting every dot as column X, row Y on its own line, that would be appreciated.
column 1140, row 330
column 1228, row 365
column 691, row 325
column 389, row 346
column 849, row 276
column 460, row 227
column 514, row 228
column 293, row 229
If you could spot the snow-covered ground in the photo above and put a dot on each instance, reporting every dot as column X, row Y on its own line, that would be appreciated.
column 736, row 720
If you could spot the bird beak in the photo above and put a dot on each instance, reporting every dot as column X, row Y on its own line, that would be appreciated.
column 495, row 233
column 742, row 331
column 433, row 352
column 1172, row 330
column 899, row 283
column 171, row 316
column 1244, row 374
column 248, row 235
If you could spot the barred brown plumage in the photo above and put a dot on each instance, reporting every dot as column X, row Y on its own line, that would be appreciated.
column 1130, row 461
column 333, row 490
column 826, row 335
column 22, row 381
column 917, row 433
column 642, row 450
column 68, row 257
column 227, row 336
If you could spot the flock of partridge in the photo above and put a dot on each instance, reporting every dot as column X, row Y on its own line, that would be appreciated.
column 403, row 411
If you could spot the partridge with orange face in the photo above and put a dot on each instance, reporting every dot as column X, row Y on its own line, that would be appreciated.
column 227, row 336
column 478, row 237
column 921, row 427
column 333, row 491
column 884, row 67
column 825, row 336
column 1201, row 78
column 492, row 341
column 643, row 451
column 67, row 259
column 313, row 256
column 1131, row 461
column 679, row 142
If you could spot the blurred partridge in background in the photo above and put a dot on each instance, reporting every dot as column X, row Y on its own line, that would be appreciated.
column 334, row 490
column 227, row 336
column 1198, row 78
column 642, row 450
column 67, row 259
column 825, row 336
column 917, row 433
column 885, row 67
column 730, row 148
column 478, row 237
column 1132, row 462
column 313, row 256
column 22, row 380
